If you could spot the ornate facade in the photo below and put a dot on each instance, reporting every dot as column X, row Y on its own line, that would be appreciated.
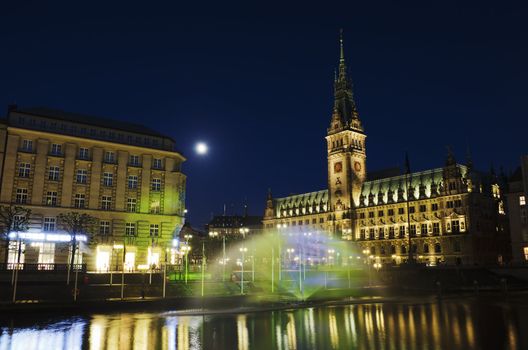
column 453, row 213
column 126, row 176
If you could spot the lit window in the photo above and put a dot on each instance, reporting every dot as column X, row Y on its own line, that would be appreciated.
column 522, row 200
column 102, row 259
column 53, row 174
column 130, row 229
column 82, row 176
column 154, row 230
column 27, row 145
column 24, row 169
column 104, row 228
column 157, row 164
column 130, row 261
column 131, row 205
column 455, row 226
column 134, row 160
column 525, row 253
column 108, row 179
column 106, row 203
column 109, row 157
column 56, row 149
column 156, row 185
column 436, row 228
column 132, row 181
column 83, row 153
column 79, row 201
column 49, row 224
column 21, row 195
column 16, row 254
column 51, row 199
column 46, row 257
column 155, row 207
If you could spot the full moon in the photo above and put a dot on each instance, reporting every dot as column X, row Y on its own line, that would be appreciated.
column 201, row 148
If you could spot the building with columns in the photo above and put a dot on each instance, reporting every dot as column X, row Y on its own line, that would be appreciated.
column 453, row 213
column 127, row 176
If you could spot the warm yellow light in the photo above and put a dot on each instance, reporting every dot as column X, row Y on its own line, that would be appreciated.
column 118, row 246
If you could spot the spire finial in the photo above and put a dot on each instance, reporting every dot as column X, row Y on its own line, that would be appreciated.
column 342, row 51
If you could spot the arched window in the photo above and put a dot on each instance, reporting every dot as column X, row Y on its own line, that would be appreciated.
column 426, row 248
column 403, row 249
column 438, row 248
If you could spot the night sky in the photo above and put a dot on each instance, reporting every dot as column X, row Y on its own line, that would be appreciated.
column 255, row 82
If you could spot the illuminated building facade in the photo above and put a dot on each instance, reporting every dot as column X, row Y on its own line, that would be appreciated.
column 453, row 213
column 517, row 196
column 126, row 176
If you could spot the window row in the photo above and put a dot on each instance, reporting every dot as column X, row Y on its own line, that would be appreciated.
column 427, row 248
column 79, row 201
column 84, row 153
column 452, row 226
column 81, row 177
column 422, row 208
column 49, row 224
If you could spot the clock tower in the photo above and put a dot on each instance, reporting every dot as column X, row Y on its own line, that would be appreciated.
column 346, row 153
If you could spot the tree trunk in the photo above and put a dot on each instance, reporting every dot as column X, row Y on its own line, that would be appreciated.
column 74, row 249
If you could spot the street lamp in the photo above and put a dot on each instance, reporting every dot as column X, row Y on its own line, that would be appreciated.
column 244, row 231
column 330, row 256
column 290, row 251
column 243, row 250
column 185, row 250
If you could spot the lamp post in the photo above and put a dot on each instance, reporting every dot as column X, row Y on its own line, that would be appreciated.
column 185, row 249
column 243, row 250
column 330, row 256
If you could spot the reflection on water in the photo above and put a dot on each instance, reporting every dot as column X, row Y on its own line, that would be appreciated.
column 447, row 325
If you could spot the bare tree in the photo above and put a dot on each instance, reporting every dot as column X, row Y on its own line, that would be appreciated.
column 12, row 219
column 76, row 224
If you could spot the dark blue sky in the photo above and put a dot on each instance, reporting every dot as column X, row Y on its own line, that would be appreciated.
column 255, row 82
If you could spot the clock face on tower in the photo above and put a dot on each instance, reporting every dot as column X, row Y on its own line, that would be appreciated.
column 338, row 167
column 357, row 166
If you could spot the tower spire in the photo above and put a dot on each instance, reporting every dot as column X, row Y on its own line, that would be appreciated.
column 343, row 95
column 342, row 65
column 342, row 55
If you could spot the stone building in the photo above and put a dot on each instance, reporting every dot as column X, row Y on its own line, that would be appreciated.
column 125, row 175
column 516, row 197
column 453, row 213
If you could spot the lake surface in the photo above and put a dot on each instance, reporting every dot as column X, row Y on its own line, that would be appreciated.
column 486, row 323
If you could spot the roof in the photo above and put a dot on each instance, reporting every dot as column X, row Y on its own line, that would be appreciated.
column 425, row 184
column 235, row 221
column 90, row 120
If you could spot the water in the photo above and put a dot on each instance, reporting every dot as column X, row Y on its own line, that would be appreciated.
column 491, row 323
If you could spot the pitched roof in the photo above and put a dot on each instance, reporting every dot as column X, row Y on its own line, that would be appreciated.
column 90, row 120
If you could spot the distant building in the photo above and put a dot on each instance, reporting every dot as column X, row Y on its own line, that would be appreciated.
column 234, row 226
column 517, row 212
column 453, row 213
column 126, row 175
